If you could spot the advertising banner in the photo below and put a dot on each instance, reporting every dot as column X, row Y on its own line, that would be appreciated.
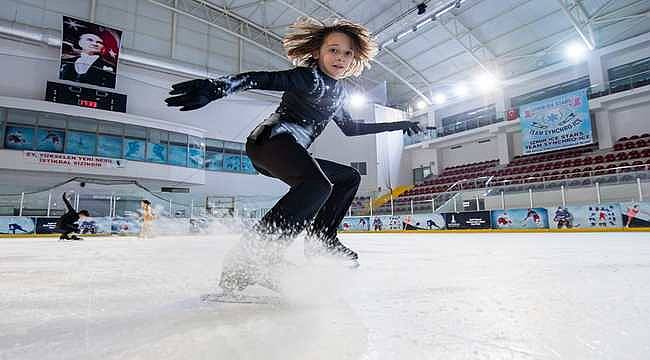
column 586, row 216
column 356, row 223
column 468, row 220
column 423, row 222
column 95, row 225
column 556, row 123
column 125, row 225
column 535, row 218
column 16, row 225
column 636, row 214
column 46, row 225
column 71, row 160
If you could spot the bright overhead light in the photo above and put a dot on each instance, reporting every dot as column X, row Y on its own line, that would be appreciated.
column 576, row 52
column 357, row 100
column 461, row 90
column 421, row 105
column 439, row 98
column 487, row 82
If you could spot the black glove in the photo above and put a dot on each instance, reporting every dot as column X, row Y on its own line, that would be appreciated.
column 195, row 94
column 410, row 127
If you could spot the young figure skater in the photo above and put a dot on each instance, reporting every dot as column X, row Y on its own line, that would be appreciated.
column 67, row 222
column 147, row 219
column 321, row 190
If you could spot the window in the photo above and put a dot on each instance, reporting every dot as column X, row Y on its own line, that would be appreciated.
column 50, row 135
column 109, row 141
column 80, row 142
column 247, row 165
column 19, row 137
column 20, row 130
column 177, row 149
column 109, row 146
column 213, row 154
column 157, row 146
column 134, row 142
column 361, row 167
column 232, row 156
column 197, row 152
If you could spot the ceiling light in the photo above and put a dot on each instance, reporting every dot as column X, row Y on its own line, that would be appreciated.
column 576, row 52
column 421, row 105
column 487, row 82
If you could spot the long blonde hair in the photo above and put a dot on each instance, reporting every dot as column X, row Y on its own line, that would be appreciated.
column 306, row 36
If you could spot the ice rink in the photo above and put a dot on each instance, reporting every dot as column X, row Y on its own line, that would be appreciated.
column 416, row 296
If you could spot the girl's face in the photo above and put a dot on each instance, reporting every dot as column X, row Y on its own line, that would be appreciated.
column 335, row 55
column 91, row 44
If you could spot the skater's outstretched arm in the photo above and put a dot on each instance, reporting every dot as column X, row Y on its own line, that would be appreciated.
column 353, row 128
column 195, row 94
column 67, row 203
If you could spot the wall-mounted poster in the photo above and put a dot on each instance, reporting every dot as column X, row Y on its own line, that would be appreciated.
column 89, row 53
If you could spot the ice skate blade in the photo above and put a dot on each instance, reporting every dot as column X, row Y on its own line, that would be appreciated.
column 239, row 298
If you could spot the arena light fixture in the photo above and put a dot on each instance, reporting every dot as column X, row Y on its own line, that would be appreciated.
column 576, row 52
column 358, row 100
column 421, row 105
column 487, row 82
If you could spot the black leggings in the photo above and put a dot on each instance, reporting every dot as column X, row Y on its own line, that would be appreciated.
column 66, row 229
column 321, row 190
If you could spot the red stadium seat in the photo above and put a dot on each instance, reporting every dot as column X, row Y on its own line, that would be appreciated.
column 610, row 157
column 622, row 139
column 629, row 145
column 588, row 161
column 621, row 156
column 598, row 159
column 633, row 154
column 618, row 147
column 645, row 135
column 641, row 143
column 634, row 137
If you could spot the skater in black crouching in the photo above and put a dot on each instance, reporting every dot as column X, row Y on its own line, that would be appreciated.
column 321, row 190
column 67, row 222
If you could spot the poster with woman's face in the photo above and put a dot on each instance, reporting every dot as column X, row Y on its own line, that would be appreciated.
column 89, row 53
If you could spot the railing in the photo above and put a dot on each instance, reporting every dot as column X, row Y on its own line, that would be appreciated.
column 472, row 194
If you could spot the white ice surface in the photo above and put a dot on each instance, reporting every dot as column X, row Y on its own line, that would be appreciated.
column 424, row 296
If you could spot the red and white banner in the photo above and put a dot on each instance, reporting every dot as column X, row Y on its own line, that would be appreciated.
column 73, row 161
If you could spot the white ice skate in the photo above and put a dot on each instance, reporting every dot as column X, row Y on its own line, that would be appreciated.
column 254, row 261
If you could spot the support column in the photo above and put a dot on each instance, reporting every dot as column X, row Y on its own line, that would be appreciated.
column 597, row 72
column 604, row 130
column 501, row 102
column 503, row 147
